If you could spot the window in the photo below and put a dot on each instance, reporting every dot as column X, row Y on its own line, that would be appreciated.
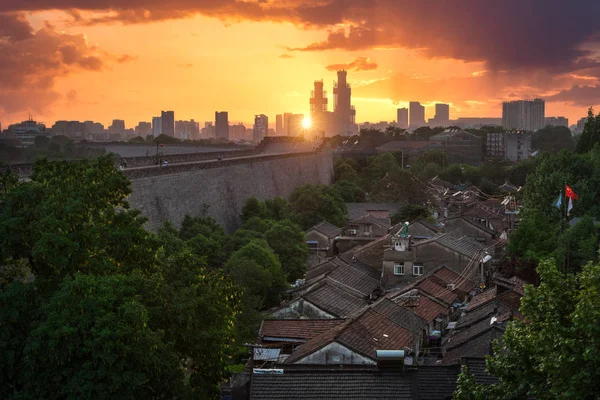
column 399, row 269
column 418, row 269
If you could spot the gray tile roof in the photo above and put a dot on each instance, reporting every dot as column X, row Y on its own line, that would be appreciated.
column 321, row 385
column 477, row 368
column 327, row 229
column 370, row 219
column 332, row 299
column 479, row 346
column 356, row 210
column 400, row 315
column 463, row 245
column 437, row 382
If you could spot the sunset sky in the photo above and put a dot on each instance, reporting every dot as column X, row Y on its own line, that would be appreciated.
column 129, row 59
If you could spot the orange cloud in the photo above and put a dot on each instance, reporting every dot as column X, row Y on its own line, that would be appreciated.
column 358, row 64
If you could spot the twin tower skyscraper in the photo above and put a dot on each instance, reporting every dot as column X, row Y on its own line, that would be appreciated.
column 340, row 121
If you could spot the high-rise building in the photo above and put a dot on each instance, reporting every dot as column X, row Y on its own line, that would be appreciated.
column 293, row 124
column 261, row 127
column 402, row 118
column 187, row 130
column 557, row 121
column 116, row 131
column 344, row 111
column 528, row 115
column 279, row 131
column 27, row 131
column 156, row 126
column 208, row 132
column 417, row 114
column 168, row 123
column 222, row 125
column 238, row 132
column 143, row 129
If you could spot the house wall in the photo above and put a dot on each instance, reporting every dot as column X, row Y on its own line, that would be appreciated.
column 335, row 353
column 368, row 230
column 418, row 229
column 301, row 309
column 460, row 227
column 325, row 248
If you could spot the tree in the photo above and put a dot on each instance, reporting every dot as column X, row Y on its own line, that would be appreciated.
column 350, row 192
column 311, row 204
column 553, row 139
column 591, row 133
column 278, row 208
column 113, row 311
column 409, row 213
column 345, row 172
column 559, row 332
column 472, row 175
column 254, row 208
column 466, row 387
column 453, row 174
column 205, row 238
column 288, row 241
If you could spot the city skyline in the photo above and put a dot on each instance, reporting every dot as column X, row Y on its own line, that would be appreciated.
column 122, row 60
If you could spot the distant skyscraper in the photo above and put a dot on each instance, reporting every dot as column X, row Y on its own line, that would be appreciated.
column 208, row 132
column 156, row 126
column 286, row 117
column 293, row 124
column 344, row 112
column 417, row 114
column 238, row 132
column 187, row 130
column 117, row 130
column 402, row 118
column 527, row 115
column 143, row 129
column 168, row 123
column 261, row 127
column 279, row 125
column 557, row 121
column 442, row 112
column 222, row 125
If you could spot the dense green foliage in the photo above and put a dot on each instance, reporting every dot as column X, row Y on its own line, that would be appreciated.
column 558, row 334
column 409, row 213
column 311, row 204
column 543, row 230
column 553, row 139
column 109, row 309
column 591, row 133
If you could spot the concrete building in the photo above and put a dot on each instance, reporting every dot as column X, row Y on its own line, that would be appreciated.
column 417, row 114
column 187, row 130
column 116, row 131
column 261, row 127
column 27, row 131
column 156, row 126
column 511, row 146
column 222, row 125
column 239, row 132
column 528, row 115
column 168, row 123
column 208, row 132
column 557, row 121
column 402, row 118
column 345, row 113
column 279, row 125
column 143, row 129
column 293, row 124
column 442, row 115
column 323, row 121
column 460, row 147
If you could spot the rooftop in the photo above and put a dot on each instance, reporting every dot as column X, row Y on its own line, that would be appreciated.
column 356, row 210
column 462, row 245
column 327, row 229
column 332, row 299
column 303, row 329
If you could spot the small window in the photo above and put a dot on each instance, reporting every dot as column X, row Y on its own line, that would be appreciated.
column 397, row 244
column 418, row 269
column 399, row 269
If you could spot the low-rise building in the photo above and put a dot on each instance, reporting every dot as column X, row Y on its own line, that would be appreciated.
column 511, row 146
column 459, row 146
column 320, row 239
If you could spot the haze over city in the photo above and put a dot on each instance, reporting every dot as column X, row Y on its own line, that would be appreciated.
column 102, row 60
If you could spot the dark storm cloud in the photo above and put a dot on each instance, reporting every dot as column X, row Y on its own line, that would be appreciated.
column 32, row 60
column 584, row 96
column 358, row 64
column 506, row 34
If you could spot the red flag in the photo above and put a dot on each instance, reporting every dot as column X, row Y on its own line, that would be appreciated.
column 570, row 193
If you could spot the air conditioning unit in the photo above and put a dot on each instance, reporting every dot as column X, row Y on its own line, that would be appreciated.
column 451, row 286
column 353, row 231
column 367, row 233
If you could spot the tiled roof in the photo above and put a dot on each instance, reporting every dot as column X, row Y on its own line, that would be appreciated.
column 370, row 219
column 355, row 279
column 364, row 334
column 370, row 254
column 341, row 384
column 477, row 368
column 401, row 316
column 320, row 269
column 302, row 329
column 482, row 298
column 474, row 330
column 437, row 288
column 355, row 263
column 463, row 245
column 473, row 316
column 479, row 346
column 472, row 223
column 427, row 308
column 332, row 299
column 327, row 229
column 356, row 210
column 449, row 134
column 450, row 276
column 437, row 382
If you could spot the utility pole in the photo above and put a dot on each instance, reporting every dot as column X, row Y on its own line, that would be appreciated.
column 411, row 303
